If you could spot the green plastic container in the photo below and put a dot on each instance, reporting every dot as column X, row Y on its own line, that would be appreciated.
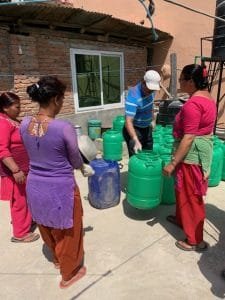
column 168, row 190
column 94, row 129
column 157, row 142
column 158, row 128
column 144, row 180
column 166, row 149
column 217, row 163
column 223, row 171
column 118, row 123
column 168, row 139
column 112, row 145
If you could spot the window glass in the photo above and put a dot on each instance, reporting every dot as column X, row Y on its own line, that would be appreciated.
column 98, row 80
column 111, row 79
column 88, row 80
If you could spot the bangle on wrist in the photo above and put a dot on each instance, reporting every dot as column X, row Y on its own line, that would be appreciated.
column 15, row 172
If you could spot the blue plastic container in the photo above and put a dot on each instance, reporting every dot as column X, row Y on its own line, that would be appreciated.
column 104, row 185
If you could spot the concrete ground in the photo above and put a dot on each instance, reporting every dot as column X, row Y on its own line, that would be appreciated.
column 130, row 254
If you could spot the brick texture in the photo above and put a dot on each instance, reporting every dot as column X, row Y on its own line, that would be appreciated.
column 24, row 58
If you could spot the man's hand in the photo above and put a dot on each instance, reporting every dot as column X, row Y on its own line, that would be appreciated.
column 137, row 145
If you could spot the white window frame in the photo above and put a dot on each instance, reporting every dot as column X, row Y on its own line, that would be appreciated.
column 74, row 79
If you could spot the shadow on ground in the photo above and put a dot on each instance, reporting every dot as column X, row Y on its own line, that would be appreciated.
column 47, row 253
column 123, row 181
column 154, row 216
column 212, row 262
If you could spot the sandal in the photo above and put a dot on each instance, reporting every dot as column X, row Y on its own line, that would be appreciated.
column 65, row 284
column 185, row 246
column 172, row 219
column 28, row 238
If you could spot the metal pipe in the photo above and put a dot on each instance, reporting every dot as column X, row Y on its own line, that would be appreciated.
column 155, row 35
column 195, row 10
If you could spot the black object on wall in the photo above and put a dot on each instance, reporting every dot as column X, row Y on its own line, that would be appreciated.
column 218, row 46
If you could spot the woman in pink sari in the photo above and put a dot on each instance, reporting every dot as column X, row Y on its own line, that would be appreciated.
column 13, row 169
column 192, row 158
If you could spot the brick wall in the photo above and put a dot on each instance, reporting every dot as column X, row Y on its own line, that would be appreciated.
column 47, row 52
column 6, row 72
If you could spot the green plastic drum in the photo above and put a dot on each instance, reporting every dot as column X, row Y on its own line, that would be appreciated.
column 223, row 171
column 118, row 123
column 144, row 180
column 112, row 145
column 94, row 129
column 217, row 165
column 168, row 190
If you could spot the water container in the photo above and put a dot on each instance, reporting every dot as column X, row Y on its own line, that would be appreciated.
column 94, row 129
column 217, row 164
column 166, row 149
column 157, row 141
column 112, row 145
column 168, row 130
column 104, row 185
column 144, row 180
column 218, row 47
column 173, row 108
column 220, row 132
column 223, row 171
column 168, row 190
column 118, row 123
column 168, row 110
column 158, row 128
column 162, row 117
column 168, row 139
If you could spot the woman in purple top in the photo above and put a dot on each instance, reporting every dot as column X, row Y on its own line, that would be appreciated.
column 52, row 193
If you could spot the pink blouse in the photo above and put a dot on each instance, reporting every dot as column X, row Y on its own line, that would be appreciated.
column 11, row 145
column 197, row 117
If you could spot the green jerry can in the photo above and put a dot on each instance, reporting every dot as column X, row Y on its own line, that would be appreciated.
column 217, row 163
column 112, row 145
column 118, row 123
column 144, row 180
column 168, row 190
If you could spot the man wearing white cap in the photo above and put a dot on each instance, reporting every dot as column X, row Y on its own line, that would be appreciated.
column 139, row 111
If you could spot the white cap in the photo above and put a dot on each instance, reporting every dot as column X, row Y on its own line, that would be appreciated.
column 152, row 80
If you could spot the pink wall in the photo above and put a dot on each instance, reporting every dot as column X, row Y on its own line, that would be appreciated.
column 185, row 26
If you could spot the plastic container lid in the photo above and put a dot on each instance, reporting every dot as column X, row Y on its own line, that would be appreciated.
column 94, row 122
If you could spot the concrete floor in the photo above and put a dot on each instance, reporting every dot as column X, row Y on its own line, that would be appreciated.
column 130, row 255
